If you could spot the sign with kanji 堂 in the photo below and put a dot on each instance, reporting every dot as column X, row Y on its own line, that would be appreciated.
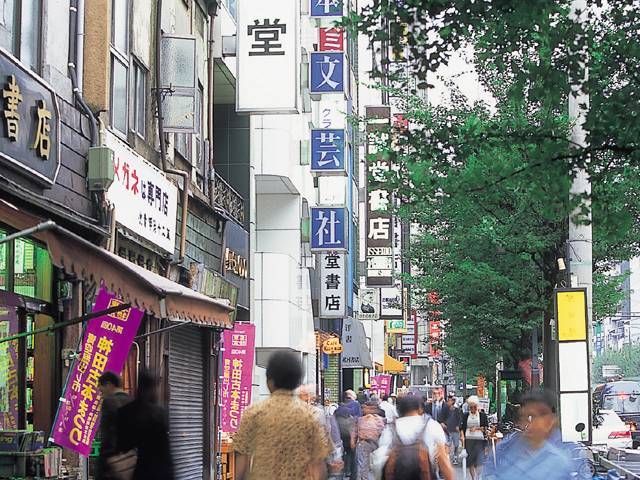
column 333, row 285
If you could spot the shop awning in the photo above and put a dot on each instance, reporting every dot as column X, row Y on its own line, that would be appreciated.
column 391, row 365
column 146, row 290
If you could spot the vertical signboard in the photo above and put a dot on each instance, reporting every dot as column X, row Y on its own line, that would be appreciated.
column 237, row 374
column 333, row 285
column 105, row 348
column 9, row 389
column 369, row 308
column 330, row 39
column 267, row 56
column 329, row 229
column 328, row 152
column 379, row 226
column 327, row 72
column 573, row 364
column 355, row 353
column 409, row 338
column 326, row 8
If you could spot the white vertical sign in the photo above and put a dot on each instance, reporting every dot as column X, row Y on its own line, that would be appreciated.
column 333, row 285
column 268, row 56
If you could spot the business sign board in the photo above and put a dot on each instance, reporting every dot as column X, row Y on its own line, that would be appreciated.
column 327, row 72
column 267, row 56
column 105, row 348
column 326, row 8
column 328, row 152
column 329, row 229
column 391, row 302
column 145, row 201
column 396, row 326
column 30, row 122
column 330, row 39
column 409, row 338
column 354, row 341
column 9, row 365
column 333, row 285
column 332, row 112
column 369, row 308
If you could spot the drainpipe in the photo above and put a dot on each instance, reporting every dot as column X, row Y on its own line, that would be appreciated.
column 213, row 12
column 163, row 147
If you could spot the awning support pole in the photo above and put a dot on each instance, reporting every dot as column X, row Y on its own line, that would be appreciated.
column 48, row 225
column 160, row 330
column 73, row 321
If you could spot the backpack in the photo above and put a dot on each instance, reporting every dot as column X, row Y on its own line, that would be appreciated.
column 408, row 461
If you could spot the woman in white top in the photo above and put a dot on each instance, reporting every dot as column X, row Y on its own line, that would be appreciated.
column 472, row 433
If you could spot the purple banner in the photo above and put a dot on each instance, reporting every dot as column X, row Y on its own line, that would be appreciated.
column 237, row 374
column 105, row 347
column 381, row 384
column 8, row 362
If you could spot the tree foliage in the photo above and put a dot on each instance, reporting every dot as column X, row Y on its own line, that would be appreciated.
column 489, row 187
column 627, row 358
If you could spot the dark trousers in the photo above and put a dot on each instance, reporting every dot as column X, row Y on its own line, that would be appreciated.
column 350, row 464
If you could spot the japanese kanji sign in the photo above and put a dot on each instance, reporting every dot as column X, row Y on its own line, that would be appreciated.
column 267, row 56
column 237, row 374
column 328, row 155
column 326, row 8
column 331, row 39
column 329, row 229
column 327, row 72
column 29, row 123
column 356, row 353
column 145, row 201
column 333, row 285
column 332, row 112
column 105, row 347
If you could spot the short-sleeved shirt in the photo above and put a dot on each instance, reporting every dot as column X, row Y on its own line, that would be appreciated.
column 282, row 437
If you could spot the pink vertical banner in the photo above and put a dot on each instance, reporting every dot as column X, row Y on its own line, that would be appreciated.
column 105, row 347
column 381, row 384
column 237, row 374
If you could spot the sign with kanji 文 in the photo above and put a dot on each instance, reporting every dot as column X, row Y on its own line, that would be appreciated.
column 326, row 8
column 267, row 56
column 29, row 122
column 329, row 229
column 328, row 154
column 145, row 201
column 331, row 39
column 327, row 72
column 237, row 374
column 105, row 348
column 333, row 285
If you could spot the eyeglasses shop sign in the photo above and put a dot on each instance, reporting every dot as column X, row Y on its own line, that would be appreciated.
column 145, row 201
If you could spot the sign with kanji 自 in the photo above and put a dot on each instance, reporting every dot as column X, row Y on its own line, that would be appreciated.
column 328, row 156
column 145, row 201
column 327, row 72
column 326, row 8
column 331, row 39
column 267, row 56
column 329, row 229
column 333, row 285
column 29, row 123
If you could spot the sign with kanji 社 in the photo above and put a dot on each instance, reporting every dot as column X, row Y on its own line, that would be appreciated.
column 267, row 56
column 329, row 229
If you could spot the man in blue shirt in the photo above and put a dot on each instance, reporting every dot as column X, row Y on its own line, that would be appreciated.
column 538, row 451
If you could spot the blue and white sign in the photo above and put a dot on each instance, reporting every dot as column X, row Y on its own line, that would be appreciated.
column 326, row 8
column 328, row 152
column 327, row 72
column 329, row 229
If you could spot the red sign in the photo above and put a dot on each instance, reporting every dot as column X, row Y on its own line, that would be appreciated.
column 331, row 39
column 434, row 340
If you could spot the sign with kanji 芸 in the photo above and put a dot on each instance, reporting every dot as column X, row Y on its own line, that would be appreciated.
column 333, row 285
column 327, row 72
column 326, row 8
column 329, row 229
column 145, row 201
column 328, row 156
column 29, row 122
column 267, row 56
column 331, row 39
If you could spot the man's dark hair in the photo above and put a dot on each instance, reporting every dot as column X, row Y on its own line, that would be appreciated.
column 539, row 396
column 361, row 389
column 285, row 370
column 384, row 397
column 109, row 377
column 407, row 404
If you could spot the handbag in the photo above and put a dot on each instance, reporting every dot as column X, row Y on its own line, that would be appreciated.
column 122, row 465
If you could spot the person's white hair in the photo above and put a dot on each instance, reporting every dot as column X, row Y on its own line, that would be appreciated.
column 351, row 394
column 473, row 400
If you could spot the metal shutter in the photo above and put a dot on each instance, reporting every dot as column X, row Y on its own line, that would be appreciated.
column 186, row 402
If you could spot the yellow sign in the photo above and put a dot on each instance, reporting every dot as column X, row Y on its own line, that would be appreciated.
column 332, row 346
column 572, row 316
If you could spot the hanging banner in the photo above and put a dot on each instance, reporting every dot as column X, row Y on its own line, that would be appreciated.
column 9, row 303
column 237, row 374
column 268, row 56
column 105, row 347
column 381, row 384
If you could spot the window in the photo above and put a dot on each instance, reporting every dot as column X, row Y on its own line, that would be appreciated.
column 119, row 65
column 139, row 99
column 20, row 30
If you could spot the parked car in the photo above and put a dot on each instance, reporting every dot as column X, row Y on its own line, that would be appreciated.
column 612, row 432
column 623, row 397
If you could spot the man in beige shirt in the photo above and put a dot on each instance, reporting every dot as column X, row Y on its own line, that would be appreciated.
column 280, row 438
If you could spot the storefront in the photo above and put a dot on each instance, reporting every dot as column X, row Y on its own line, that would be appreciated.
column 356, row 358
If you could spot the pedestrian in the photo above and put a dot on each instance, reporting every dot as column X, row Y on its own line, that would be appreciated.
column 280, row 437
column 474, row 427
column 450, row 419
column 537, row 452
column 351, row 402
column 436, row 406
column 112, row 399
column 348, row 427
column 389, row 409
column 362, row 396
column 401, row 455
column 370, row 427
column 143, row 426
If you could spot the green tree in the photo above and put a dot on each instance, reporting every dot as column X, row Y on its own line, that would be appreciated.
column 627, row 358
